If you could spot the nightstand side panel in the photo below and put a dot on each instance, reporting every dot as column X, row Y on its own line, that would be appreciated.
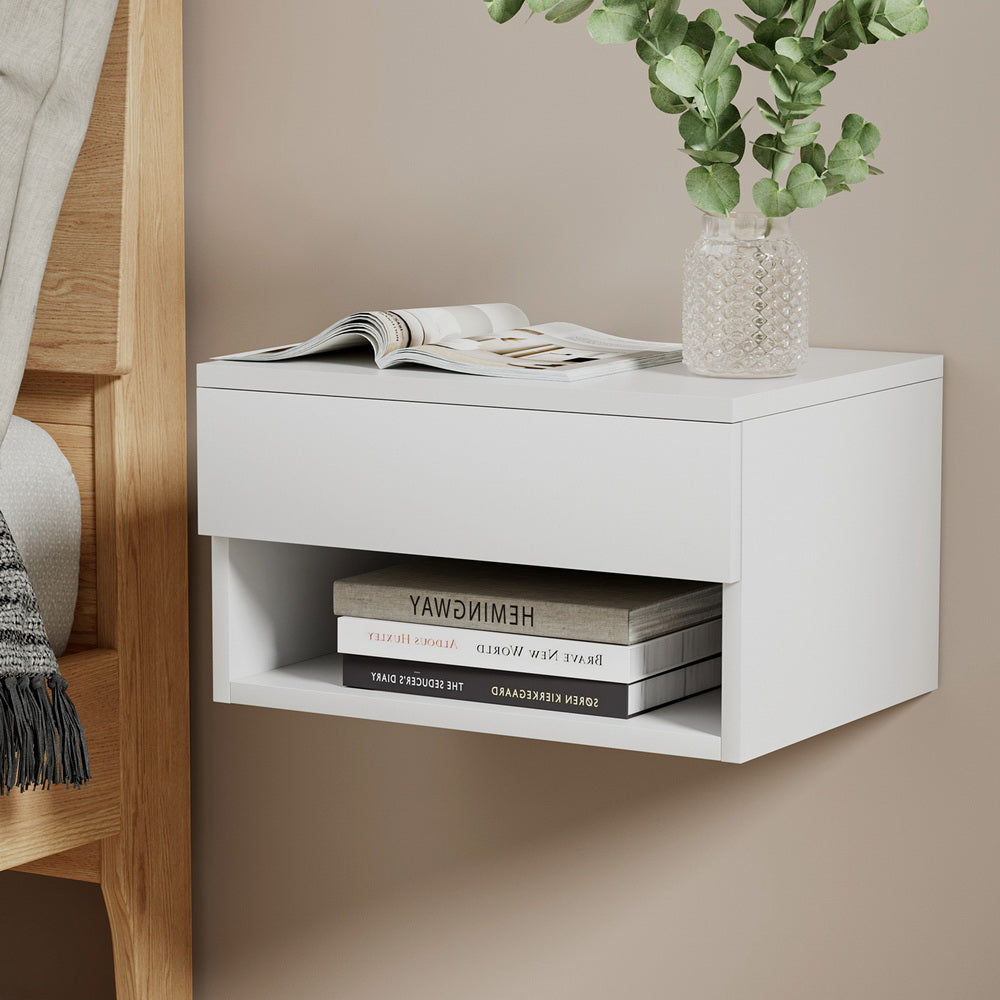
column 837, row 607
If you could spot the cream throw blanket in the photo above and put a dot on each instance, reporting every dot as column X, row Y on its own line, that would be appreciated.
column 51, row 53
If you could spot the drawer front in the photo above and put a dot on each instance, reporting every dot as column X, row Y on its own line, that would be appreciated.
column 584, row 491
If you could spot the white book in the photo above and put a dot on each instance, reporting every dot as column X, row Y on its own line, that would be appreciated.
column 466, row 647
column 488, row 339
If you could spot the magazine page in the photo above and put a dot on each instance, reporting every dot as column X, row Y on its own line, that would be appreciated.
column 384, row 331
column 571, row 335
column 442, row 324
column 530, row 354
column 392, row 330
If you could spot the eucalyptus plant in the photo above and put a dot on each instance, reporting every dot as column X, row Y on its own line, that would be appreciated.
column 692, row 74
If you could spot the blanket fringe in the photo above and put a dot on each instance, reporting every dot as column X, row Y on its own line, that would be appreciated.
column 41, row 738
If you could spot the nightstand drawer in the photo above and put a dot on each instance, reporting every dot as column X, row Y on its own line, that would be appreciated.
column 580, row 490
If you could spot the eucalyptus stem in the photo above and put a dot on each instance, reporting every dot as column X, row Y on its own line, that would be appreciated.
column 732, row 128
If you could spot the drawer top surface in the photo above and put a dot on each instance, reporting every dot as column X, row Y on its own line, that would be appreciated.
column 669, row 392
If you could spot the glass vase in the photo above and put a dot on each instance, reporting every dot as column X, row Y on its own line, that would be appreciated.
column 746, row 299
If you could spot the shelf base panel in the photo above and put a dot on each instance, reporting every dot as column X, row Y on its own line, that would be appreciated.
column 691, row 728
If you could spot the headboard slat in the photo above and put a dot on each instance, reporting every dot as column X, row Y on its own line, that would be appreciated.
column 58, row 398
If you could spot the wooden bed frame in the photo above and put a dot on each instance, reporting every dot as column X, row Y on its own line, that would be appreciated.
column 106, row 379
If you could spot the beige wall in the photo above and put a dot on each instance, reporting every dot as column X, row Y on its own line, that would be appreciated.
column 345, row 156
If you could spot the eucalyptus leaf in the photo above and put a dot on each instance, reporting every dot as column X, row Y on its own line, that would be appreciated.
column 874, row 171
column 864, row 133
column 801, row 10
column 869, row 139
column 646, row 52
column 805, row 186
column 882, row 32
column 670, row 34
column 790, row 47
column 803, row 134
column 780, row 87
column 712, row 18
column 869, row 8
column 851, row 126
column 807, row 89
column 854, row 20
column 541, row 6
column 722, row 92
column 748, row 22
column 667, row 101
column 608, row 27
column 707, row 157
column 720, row 57
column 695, row 131
column 829, row 54
column 847, row 162
column 681, row 71
column 714, row 189
column 503, row 10
column 795, row 71
column 772, row 155
column 815, row 155
column 841, row 29
column 757, row 55
column 772, row 200
column 795, row 110
column 907, row 16
column 566, row 10
column 766, row 8
column 700, row 35
column 770, row 115
column 771, row 30
column 732, row 138
column 662, row 13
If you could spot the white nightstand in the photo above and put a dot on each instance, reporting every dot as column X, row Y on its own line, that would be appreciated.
column 815, row 500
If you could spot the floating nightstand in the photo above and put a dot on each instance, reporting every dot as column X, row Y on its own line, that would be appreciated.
column 814, row 500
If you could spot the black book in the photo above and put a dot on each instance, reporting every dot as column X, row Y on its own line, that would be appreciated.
column 557, row 694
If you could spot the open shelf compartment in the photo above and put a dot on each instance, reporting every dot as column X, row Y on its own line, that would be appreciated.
column 275, row 636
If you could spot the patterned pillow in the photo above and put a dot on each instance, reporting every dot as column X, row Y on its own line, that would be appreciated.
column 40, row 500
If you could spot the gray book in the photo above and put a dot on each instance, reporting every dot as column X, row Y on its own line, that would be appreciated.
column 528, row 600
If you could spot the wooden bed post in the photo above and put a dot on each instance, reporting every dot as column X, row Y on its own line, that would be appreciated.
column 146, row 869
column 106, row 377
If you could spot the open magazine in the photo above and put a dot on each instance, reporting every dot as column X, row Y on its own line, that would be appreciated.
column 494, row 339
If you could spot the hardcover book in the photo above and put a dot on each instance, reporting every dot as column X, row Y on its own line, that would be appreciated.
column 493, row 339
column 556, row 603
column 466, row 647
column 558, row 694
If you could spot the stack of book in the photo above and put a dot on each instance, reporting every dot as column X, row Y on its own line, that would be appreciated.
column 589, row 643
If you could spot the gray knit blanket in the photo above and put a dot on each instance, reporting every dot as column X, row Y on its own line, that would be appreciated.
column 41, row 738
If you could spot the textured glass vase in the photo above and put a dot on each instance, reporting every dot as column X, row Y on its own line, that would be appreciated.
column 746, row 299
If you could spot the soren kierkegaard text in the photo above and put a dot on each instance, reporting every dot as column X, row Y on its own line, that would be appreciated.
column 506, row 650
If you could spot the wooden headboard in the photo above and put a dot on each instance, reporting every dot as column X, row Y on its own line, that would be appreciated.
column 83, row 325
column 81, row 330
column 106, row 378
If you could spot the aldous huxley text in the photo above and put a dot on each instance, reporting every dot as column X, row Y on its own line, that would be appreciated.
column 505, row 650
